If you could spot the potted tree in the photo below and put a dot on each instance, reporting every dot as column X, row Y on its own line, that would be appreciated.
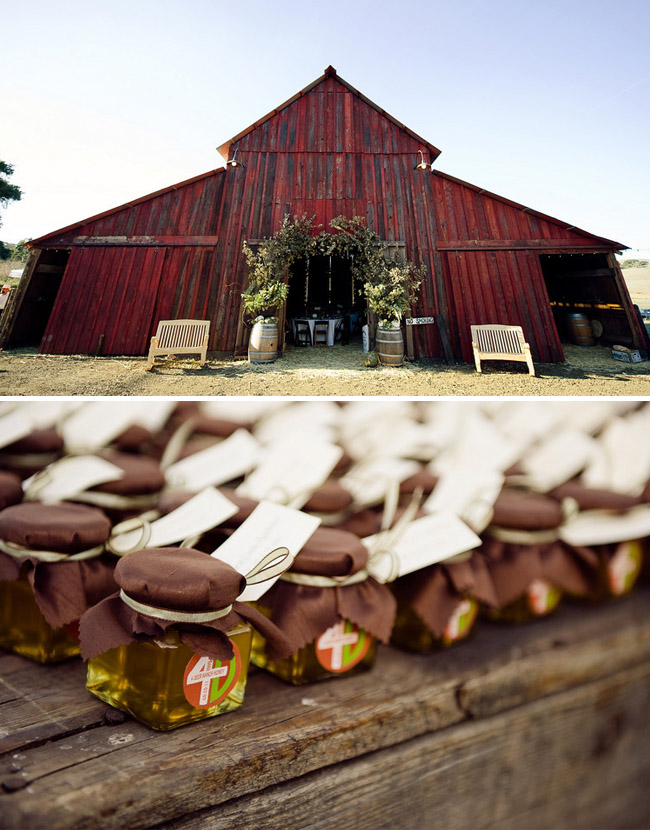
column 390, row 294
column 261, row 304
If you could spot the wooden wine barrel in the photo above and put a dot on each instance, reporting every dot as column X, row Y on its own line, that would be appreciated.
column 580, row 331
column 263, row 343
column 389, row 345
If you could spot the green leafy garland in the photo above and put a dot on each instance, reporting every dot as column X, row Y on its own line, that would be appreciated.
column 390, row 286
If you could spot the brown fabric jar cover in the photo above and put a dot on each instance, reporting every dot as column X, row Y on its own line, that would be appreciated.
column 32, row 453
column 422, row 480
column 331, row 502
column 135, row 439
column 11, row 489
column 367, row 522
column 513, row 566
column 434, row 592
column 174, row 579
column 587, row 558
column 63, row 590
column 304, row 612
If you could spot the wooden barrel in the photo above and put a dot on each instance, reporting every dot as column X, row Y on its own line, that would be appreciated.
column 390, row 346
column 263, row 344
column 580, row 331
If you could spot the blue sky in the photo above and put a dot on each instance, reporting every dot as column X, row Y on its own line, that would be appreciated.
column 545, row 103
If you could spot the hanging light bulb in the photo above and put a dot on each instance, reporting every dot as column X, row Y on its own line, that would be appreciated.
column 234, row 162
column 422, row 164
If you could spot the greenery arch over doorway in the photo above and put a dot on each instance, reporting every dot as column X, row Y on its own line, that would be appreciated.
column 389, row 286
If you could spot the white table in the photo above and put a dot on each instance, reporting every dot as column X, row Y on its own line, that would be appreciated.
column 331, row 326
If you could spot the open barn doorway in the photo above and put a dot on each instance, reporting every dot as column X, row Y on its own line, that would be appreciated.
column 588, row 299
column 43, row 281
column 322, row 288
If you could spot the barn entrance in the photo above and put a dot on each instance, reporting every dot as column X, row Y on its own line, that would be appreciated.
column 321, row 288
column 41, row 289
column 588, row 285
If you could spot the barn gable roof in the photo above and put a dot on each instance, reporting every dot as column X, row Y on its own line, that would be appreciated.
column 330, row 72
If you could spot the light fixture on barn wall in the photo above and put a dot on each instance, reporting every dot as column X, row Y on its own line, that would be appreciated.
column 422, row 164
column 234, row 161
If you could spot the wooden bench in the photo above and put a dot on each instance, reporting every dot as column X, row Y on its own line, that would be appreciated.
column 539, row 725
column 180, row 337
column 497, row 342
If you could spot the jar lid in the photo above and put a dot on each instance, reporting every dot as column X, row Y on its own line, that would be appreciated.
column 142, row 475
column 220, row 427
column 423, row 478
column 330, row 497
column 38, row 441
column 68, row 528
column 331, row 552
column 526, row 511
column 179, row 579
column 594, row 499
column 11, row 489
column 133, row 438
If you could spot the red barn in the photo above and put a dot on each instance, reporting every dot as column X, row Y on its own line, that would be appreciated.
column 100, row 286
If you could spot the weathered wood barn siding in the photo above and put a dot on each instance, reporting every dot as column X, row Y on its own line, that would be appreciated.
column 328, row 151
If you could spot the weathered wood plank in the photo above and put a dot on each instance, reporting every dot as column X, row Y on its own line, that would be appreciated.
column 283, row 733
column 497, row 244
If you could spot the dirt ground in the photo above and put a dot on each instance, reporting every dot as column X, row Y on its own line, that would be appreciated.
column 336, row 371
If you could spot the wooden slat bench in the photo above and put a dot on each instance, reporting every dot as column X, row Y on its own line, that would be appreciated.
column 530, row 726
column 497, row 342
column 180, row 337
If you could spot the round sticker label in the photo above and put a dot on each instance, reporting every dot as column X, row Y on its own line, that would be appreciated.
column 624, row 567
column 461, row 621
column 342, row 646
column 207, row 682
column 542, row 597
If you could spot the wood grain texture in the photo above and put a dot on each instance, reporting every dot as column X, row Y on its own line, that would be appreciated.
column 327, row 152
column 582, row 675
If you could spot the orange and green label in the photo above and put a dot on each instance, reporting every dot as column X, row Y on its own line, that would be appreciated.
column 342, row 646
column 207, row 681
column 461, row 621
column 624, row 567
column 542, row 597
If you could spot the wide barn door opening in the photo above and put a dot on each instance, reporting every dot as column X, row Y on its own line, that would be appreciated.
column 38, row 301
column 587, row 299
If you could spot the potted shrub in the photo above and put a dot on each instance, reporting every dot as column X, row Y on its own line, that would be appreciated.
column 261, row 305
column 390, row 295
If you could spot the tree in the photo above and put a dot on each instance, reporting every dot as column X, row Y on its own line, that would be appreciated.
column 21, row 252
column 8, row 193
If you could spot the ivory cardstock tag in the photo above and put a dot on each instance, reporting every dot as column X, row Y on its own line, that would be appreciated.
column 95, row 424
column 370, row 481
column 527, row 421
column 216, row 465
column 468, row 493
column 289, row 472
column 201, row 513
column 245, row 411
column 153, row 415
column 268, row 527
column 65, row 478
column 558, row 458
column 316, row 419
column 598, row 527
column 622, row 462
column 424, row 542
column 13, row 427
column 478, row 444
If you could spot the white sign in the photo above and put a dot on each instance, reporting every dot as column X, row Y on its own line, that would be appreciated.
column 269, row 526
column 216, row 465
column 424, row 542
column 65, row 478
column 419, row 321
column 199, row 514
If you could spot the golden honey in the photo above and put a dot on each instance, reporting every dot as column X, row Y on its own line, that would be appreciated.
column 164, row 684
column 541, row 598
column 411, row 633
column 619, row 571
column 344, row 649
column 23, row 628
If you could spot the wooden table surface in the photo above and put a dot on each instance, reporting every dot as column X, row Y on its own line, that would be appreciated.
column 540, row 725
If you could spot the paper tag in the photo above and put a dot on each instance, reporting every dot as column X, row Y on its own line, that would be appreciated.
column 468, row 493
column 95, row 425
column 306, row 418
column 558, row 459
column 370, row 481
column 622, row 462
column 424, row 542
column 69, row 476
column 478, row 444
column 13, row 427
column 527, row 421
column 201, row 513
column 596, row 527
column 244, row 411
column 216, row 465
column 268, row 527
column 594, row 416
column 289, row 472
column 152, row 415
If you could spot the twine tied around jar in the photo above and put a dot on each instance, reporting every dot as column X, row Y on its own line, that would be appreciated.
column 516, row 536
column 19, row 552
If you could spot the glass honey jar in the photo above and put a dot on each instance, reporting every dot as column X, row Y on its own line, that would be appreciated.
column 52, row 568
column 192, row 662
column 329, row 609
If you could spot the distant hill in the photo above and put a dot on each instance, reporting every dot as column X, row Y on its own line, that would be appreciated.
column 634, row 263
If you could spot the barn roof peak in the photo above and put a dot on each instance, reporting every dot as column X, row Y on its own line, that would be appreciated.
column 330, row 72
